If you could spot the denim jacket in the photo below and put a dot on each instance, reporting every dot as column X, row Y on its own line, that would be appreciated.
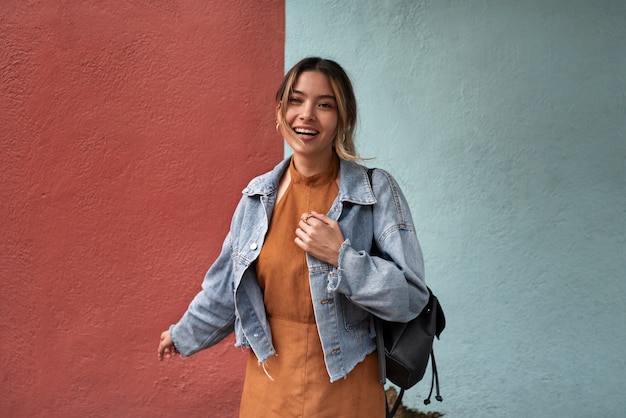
column 390, row 286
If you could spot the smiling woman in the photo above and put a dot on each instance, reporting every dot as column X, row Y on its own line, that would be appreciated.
column 335, row 90
column 311, row 115
column 306, row 288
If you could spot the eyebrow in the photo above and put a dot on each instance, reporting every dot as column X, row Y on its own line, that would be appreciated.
column 322, row 96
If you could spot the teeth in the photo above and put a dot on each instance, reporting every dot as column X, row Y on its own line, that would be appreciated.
column 305, row 131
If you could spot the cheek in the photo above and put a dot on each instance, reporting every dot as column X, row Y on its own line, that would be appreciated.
column 289, row 116
column 332, row 124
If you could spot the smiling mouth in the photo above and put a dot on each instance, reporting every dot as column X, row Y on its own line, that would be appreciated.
column 306, row 132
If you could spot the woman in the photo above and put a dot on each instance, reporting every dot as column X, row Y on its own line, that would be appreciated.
column 295, row 279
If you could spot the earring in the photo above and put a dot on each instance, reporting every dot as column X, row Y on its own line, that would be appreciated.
column 277, row 126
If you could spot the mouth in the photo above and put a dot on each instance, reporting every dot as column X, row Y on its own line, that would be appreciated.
column 306, row 133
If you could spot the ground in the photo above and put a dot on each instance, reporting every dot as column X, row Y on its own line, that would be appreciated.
column 404, row 412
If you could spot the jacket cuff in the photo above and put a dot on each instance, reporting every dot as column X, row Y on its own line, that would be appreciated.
column 176, row 342
column 335, row 279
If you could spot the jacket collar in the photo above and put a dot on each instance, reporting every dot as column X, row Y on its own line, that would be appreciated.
column 354, row 186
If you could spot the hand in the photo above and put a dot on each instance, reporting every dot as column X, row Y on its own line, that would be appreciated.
column 167, row 348
column 320, row 236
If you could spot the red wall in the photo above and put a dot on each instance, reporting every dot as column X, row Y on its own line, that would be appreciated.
column 127, row 131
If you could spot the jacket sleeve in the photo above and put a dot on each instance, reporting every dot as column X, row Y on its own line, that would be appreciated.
column 391, row 283
column 211, row 315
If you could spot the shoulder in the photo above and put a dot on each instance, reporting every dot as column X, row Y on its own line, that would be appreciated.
column 364, row 185
column 354, row 185
column 389, row 196
column 383, row 181
column 267, row 183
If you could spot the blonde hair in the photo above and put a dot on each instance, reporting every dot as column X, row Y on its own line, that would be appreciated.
column 344, row 95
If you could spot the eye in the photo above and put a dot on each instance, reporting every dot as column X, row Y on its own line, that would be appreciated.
column 295, row 100
column 326, row 105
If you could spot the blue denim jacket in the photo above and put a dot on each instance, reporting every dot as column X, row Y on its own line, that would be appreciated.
column 344, row 298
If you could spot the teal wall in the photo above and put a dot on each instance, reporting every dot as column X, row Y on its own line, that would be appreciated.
column 504, row 122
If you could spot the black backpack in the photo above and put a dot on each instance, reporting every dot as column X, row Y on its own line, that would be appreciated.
column 404, row 349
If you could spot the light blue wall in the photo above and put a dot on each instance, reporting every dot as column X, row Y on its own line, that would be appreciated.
column 505, row 124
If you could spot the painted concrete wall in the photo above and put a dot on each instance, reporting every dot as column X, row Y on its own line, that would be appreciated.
column 504, row 122
column 127, row 131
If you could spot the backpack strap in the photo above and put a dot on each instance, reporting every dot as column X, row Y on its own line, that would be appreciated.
column 380, row 342
column 380, row 346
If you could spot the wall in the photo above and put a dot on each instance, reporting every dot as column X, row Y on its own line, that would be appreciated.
column 128, row 130
column 504, row 124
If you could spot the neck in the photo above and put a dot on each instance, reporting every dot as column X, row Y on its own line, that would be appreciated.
column 311, row 166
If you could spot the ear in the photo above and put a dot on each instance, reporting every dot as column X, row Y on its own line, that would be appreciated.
column 278, row 115
column 279, row 118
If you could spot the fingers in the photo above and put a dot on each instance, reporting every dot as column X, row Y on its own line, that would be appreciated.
column 311, row 216
column 309, row 223
column 314, row 226
column 320, row 236
column 166, row 349
column 167, row 352
column 302, row 238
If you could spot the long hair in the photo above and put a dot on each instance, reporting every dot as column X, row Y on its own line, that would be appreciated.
column 344, row 95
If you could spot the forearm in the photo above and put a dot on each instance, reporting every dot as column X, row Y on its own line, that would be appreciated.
column 393, row 290
column 206, row 322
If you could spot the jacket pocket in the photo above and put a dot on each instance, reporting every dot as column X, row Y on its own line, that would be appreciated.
column 353, row 316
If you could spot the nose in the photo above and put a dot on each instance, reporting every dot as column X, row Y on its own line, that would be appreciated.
column 307, row 112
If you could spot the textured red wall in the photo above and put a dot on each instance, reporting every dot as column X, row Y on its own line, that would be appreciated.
column 127, row 131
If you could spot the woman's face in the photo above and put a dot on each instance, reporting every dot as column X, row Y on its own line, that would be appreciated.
column 312, row 113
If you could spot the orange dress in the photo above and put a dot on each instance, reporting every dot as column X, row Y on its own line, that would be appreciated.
column 297, row 383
